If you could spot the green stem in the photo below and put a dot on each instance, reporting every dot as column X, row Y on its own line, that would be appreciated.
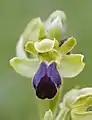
column 53, row 104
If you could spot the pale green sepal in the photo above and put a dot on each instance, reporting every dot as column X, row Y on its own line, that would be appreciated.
column 68, row 45
column 79, row 102
column 79, row 114
column 20, row 48
column 76, row 97
column 34, row 30
column 59, row 14
column 69, row 98
column 55, row 25
column 25, row 67
column 29, row 47
column 55, row 29
column 71, row 65
column 85, row 91
column 45, row 45
column 48, row 115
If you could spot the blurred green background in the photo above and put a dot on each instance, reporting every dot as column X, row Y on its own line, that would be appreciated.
column 17, row 99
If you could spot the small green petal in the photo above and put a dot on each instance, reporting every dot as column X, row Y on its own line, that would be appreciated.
column 68, row 45
column 56, row 25
column 48, row 115
column 29, row 47
column 71, row 65
column 45, row 45
column 24, row 67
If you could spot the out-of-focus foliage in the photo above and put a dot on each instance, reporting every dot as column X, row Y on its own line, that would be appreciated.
column 17, row 100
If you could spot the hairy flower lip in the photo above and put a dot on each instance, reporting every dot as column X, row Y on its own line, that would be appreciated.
column 49, row 88
column 46, row 81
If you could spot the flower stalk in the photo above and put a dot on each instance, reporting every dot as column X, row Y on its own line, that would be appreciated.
column 46, row 58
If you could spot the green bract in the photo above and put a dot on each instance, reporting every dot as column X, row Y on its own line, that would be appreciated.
column 48, row 115
column 76, row 105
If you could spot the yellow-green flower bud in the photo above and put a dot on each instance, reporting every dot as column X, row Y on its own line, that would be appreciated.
column 76, row 105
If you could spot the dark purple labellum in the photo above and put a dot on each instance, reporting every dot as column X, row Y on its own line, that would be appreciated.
column 46, row 81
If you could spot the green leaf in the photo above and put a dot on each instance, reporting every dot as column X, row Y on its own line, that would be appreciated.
column 25, row 67
column 68, row 45
column 45, row 45
column 71, row 65
column 48, row 115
